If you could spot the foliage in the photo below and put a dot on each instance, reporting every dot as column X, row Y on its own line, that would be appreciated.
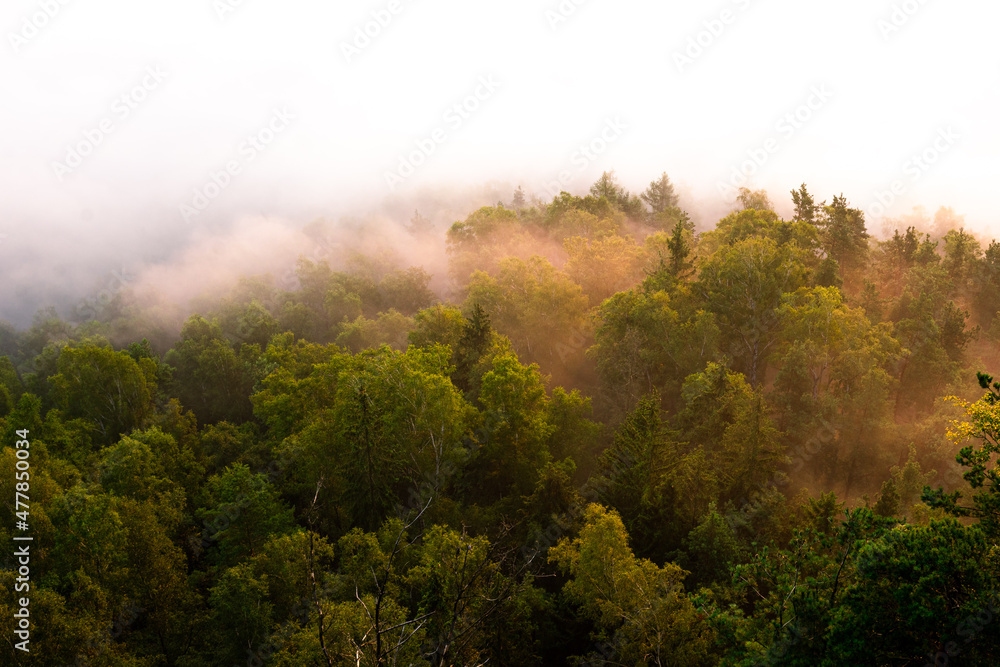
column 604, row 437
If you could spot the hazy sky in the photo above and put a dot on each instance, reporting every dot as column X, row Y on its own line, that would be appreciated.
column 132, row 126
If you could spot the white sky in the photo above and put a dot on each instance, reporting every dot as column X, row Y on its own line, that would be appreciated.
column 558, row 86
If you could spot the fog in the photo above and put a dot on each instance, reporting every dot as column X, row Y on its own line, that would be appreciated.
column 177, row 146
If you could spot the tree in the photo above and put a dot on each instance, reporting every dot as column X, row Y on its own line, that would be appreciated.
column 419, row 226
column 660, row 194
column 632, row 477
column 210, row 377
column 472, row 347
column 513, row 448
column 933, row 330
column 982, row 426
column 800, row 238
column 805, row 205
column 11, row 386
column 743, row 285
column 130, row 469
column 751, row 448
column 389, row 328
column 532, row 303
column 888, row 500
column 605, row 266
column 480, row 241
column 918, row 590
column 962, row 257
column 574, row 434
column 680, row 249
column 647, row 340
column 440, row 324
column 843, row 234
column 726, row 418
column 862, row 385
column 642, row 606
column 818, row 320
column 576, row 222
column 380, row 429
column 107, row 388
column 607, row 187
column 374, row 626
column 518, row 201
column 243, row 510
column 373, row 456
column 406, row 290
column 946, row 220
column 711, row 550
column 986, row 300
column 242, row 616
column 756, row 200
column 469, row 599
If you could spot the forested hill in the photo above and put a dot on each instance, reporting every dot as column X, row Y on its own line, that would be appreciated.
column 609, row 439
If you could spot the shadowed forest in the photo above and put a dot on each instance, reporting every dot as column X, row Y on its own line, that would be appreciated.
column 595, row 435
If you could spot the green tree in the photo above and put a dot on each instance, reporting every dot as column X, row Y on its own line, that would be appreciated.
column 649, row 340
column 441, row 324
column 210, row 377
column 475, row 611
column 607, row 187
column 242, row 510
column 107, row 388
column 824, row 327
column 743, row 285
column 632, row 477
column 660, row 194
column 962, row 257
column 512, row 450
column 843, row 233
column 680, row 249
column 711, row 550
column 480, row 241
column 604, row 267
column 918, row 592
column 986, row 301
column 982, row 427
column 390, row 328
column 532, row 303
column 756, row 200
column 518, row 202
column 726, row 420
column 641, row 611
column 242, row 614
column 806, row 209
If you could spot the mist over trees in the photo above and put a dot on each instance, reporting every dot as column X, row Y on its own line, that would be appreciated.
column 612, row 439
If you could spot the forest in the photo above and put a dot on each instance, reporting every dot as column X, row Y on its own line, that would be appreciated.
column 612, row 439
